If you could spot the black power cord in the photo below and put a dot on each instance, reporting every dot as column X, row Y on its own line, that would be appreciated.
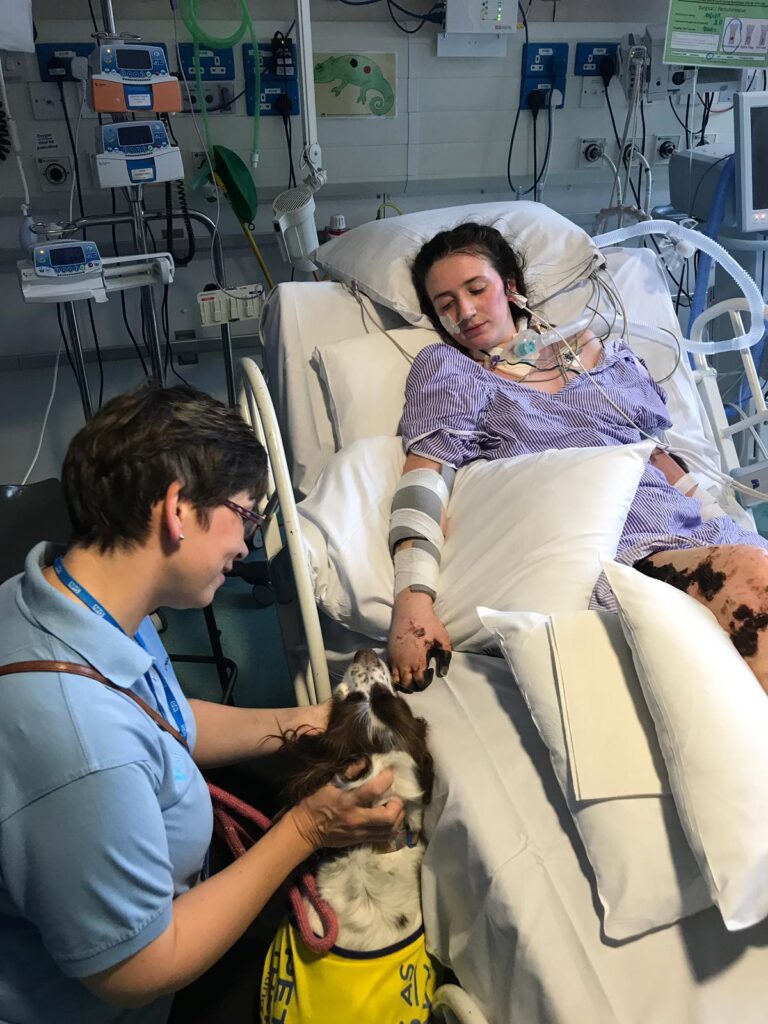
column 536, row 101
column 5, row 135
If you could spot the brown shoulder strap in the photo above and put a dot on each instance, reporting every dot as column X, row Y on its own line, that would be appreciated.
column 72, row 668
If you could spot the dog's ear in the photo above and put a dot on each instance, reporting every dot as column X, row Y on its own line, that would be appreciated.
column 424, row 764
column 317, row 758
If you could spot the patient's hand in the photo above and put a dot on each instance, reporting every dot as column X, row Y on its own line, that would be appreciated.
column 414, row 632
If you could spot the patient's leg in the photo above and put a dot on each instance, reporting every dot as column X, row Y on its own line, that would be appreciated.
column 732, row 581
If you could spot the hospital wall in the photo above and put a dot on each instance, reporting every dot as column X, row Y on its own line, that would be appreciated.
column 446, row 145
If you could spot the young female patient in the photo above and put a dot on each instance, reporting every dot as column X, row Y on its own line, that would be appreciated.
column 476, row 399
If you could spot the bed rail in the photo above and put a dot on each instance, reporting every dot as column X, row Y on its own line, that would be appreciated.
column 302, row 637
column 706, row 381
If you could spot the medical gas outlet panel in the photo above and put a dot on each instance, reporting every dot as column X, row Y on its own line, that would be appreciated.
column 132, row 77
column 136, row 153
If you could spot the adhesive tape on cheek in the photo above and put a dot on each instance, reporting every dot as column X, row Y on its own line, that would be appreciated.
column 449, row 324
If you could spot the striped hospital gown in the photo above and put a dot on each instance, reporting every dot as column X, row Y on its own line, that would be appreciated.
column 457, row 411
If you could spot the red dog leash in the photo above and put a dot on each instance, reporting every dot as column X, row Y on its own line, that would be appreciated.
column 238, row 840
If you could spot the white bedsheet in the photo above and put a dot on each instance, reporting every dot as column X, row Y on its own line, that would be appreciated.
column 508, row 898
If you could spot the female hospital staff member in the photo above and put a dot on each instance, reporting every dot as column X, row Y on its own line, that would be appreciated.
column 105, row 819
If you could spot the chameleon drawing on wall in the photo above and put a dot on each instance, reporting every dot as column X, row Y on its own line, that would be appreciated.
column 357, row 69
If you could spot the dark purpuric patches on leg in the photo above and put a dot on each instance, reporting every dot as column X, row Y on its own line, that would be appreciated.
column 708, row 579
column 744, row 630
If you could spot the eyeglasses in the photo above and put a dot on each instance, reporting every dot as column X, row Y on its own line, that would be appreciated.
column 252, row 521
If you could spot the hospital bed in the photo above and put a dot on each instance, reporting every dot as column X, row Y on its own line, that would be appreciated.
column 510, row 900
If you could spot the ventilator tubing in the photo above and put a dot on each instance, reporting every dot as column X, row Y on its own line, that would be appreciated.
column 677, row 233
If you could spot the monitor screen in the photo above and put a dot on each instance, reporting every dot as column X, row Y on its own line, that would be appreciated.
column 133, row 57
column 134, row 135
column 66, row 256
column 758, row 124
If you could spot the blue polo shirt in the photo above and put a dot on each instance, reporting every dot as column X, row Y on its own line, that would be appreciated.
column 104, row 817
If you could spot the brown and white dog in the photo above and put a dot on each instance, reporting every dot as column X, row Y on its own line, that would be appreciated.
column 376, row 897
column 375, row 892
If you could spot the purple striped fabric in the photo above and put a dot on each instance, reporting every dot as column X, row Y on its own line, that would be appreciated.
column 457, row 411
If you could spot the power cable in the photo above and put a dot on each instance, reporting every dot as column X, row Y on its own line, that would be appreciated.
column 93, row 17
column 122, row 292
column 47, row 413
column 73, row 147
column 76, row 167
column 165, row 320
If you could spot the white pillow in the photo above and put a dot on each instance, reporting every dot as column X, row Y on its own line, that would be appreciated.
column 645, row 873
column 711, row 717
column 524, row 534
column 556, row 253
column 364, row 378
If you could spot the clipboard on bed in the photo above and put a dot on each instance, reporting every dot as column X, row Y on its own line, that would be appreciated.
column 610, row 737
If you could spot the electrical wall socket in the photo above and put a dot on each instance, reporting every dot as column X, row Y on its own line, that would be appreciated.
column 587, row 145
column 710, row 138
column 661, row 147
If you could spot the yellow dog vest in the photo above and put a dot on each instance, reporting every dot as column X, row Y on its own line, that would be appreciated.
column 388, row 986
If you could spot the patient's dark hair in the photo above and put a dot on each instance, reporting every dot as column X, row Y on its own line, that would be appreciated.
column 121, row 463
column 477, row 240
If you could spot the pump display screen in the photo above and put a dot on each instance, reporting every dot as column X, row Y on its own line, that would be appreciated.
column 130, row 57
column 66, row 257
column 758, row 117
column 135, row 135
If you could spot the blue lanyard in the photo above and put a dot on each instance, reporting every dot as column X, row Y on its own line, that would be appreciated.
column 90, row 602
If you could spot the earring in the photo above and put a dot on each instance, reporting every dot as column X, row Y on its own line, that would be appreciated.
column 181, row 536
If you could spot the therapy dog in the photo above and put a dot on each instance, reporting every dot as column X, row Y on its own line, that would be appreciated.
column 378, row 970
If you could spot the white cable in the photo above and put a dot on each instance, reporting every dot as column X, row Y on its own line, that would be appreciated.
column 693, row 457
column 637, row 155
column 14, row 141
column 74, row 148
column 606, row 159
column 47, row 413
column 757, row 439
column 550, row 146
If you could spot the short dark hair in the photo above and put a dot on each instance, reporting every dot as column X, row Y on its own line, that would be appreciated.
column 477, row 240
column 122, row 462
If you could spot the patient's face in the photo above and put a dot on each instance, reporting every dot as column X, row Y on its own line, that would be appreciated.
column 469, row 290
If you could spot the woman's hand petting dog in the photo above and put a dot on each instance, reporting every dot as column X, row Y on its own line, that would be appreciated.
column 338, row 817
column 416, row 635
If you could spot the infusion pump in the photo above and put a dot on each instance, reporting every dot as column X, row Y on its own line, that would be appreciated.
column 132, row 76
column 73, row 271
column 136, row 153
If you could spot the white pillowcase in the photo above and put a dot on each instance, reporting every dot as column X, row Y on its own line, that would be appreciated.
column 711, row 717
column 645, row 873
column 364, row 378
column 528, row 533
column 378, row 255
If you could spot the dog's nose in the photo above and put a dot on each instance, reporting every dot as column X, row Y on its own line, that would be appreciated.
column 366, row 658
